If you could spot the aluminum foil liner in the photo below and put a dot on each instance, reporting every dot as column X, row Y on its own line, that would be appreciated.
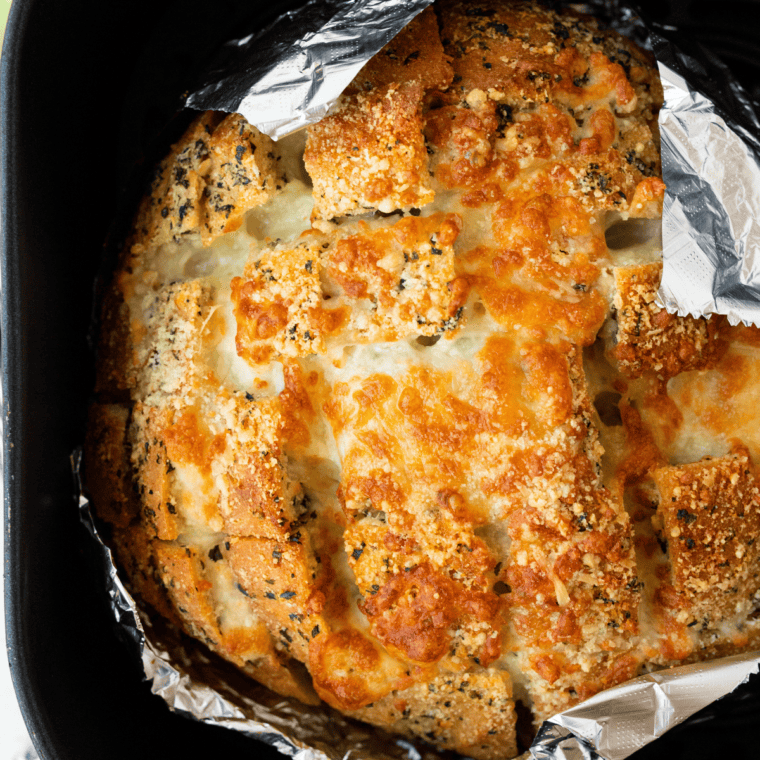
column 616, row 722
column 711, row 166
column 288, row 76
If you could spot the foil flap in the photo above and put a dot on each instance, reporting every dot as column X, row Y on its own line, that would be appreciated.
column 710, row 145
column 289, row 74
column 711, row 167
column 616, row 722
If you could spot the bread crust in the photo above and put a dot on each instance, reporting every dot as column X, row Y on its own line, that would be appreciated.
column 369, row 153
column 372, row 446
column 221, row 167
column 648, row 338
column 709, row 513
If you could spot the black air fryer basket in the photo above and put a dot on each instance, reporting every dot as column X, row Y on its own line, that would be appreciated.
column 89, row 96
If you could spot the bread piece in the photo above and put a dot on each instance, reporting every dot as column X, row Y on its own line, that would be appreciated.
column 106, row 464
column 357, row 286
column 219, row 169
column 650, row 339
column 369, row 153
column 473, row 713
column 709, row 515
column 531, row 88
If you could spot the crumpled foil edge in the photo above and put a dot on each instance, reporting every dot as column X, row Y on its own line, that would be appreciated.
column 620, row 720
column 297, row 77
column 711, row 214
column 710, row 148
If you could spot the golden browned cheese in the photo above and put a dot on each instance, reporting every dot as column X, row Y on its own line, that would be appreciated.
column 391, row 419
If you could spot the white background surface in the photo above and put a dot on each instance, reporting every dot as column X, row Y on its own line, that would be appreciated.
column 14, row 738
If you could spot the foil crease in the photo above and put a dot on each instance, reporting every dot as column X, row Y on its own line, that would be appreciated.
column 711, row 214
column 289, row 74
column 615, row 723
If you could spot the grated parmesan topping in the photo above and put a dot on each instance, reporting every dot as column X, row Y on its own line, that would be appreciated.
column 393, row 400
